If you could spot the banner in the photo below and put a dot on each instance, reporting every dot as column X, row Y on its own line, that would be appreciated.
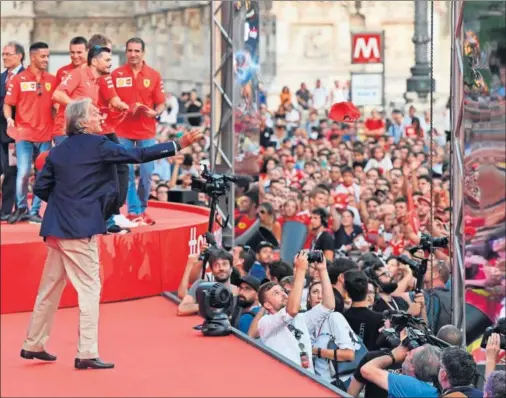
column 246, row 79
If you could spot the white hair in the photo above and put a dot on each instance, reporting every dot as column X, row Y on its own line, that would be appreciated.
column 76, row 113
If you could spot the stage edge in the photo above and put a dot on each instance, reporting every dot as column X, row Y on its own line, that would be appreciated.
column 244, row 337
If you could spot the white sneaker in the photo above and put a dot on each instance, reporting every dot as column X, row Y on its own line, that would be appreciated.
column 121, row 221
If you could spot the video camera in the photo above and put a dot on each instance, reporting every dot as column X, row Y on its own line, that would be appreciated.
column 213, row 185
column 499, row 328
column 419, row 268
column 417, row 331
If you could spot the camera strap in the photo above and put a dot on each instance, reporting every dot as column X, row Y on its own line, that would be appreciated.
column 297, row 333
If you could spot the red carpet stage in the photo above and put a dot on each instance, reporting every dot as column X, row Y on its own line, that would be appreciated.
column 144, row 263
column 156, row 353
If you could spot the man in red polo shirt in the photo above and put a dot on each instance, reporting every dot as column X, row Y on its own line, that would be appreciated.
column 30, row 92
column 138, row 84
column 78, row 55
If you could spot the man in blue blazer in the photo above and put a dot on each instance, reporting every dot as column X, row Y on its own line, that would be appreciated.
column 13, row 55
column 79, row 183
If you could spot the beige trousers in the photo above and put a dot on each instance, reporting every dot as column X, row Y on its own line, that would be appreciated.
column 77, row 260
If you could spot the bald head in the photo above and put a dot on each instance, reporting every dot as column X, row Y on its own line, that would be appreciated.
column 451, row 334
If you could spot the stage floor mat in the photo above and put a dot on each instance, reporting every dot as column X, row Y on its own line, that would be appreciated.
column 156, row 354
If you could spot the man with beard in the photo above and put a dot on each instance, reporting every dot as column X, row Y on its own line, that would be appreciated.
column 221, row 268
column 284, row 329
column 385, row 284
column 247, row 301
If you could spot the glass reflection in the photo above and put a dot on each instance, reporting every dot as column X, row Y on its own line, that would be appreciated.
column 484, row 51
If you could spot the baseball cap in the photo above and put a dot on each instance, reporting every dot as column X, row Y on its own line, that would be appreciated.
column 251, row 281
column 344, row 112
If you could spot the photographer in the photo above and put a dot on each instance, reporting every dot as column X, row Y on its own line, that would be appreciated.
column 323, row 240
column 449, row 334
column 333, row 342
column 364, row 322
column 457, row 373
column 420, row 368
column 221, row 268
column 284, row 329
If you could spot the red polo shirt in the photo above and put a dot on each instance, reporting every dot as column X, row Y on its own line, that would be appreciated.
column 80, row 83
column 33, row 102
column 146, row 88
column 64, row 71
column 106, row 93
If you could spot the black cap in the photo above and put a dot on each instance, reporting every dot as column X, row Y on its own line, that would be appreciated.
column 252, row 281
column 263, row 244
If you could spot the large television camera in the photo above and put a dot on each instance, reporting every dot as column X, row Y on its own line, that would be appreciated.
column 417, row 332
column 419, row 268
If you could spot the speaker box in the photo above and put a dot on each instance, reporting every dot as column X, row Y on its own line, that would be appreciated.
column 186, row 197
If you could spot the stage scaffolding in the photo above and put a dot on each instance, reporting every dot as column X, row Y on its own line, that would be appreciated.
column 458, row 175
column 222, row 103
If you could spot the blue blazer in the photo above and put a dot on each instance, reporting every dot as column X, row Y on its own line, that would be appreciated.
column 80, row 185
column 3, row 92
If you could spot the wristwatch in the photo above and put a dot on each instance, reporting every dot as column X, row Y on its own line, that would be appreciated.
column 392, row 356
column 178, row 145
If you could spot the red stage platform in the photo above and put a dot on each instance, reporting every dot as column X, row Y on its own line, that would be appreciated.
column 144, row 263
column 156, row 354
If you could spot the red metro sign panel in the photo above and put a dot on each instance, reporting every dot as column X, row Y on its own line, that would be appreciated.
column 367, row 48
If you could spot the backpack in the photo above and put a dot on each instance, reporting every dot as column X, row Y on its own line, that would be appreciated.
column 438, row 306
column 337, row 368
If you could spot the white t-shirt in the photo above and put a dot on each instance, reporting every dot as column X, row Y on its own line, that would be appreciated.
column 320, row 97
column 345, row 338
column 275, row 334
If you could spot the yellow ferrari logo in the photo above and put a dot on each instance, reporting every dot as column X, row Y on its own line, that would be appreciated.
column 147, row 83
column 48, row 86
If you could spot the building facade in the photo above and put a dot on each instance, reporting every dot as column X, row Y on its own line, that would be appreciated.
column 299, row 40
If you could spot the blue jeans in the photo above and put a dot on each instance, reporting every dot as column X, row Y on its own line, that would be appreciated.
column 137, row 200
column 24, row 154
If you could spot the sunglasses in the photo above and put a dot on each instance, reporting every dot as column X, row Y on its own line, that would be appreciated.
column 39, row 89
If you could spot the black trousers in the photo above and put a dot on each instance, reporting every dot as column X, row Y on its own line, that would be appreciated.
column 9, row 183
column 123, row 171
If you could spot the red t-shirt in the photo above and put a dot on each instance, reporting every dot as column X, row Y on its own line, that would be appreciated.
column 147, row 89
column 34, row 105
column 374, row 124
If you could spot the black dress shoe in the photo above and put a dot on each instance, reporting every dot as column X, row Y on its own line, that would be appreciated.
column 95, row 363
column 18, row 215
column 42, row 355
column 5, row 217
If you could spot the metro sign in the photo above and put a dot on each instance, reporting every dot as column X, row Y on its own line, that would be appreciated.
column 367, row 48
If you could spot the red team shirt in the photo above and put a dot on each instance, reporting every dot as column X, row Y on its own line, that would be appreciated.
column 80, row 83
column 146, row 89
column 34, row 105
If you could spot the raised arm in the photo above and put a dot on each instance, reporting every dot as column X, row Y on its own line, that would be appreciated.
column 114, row 153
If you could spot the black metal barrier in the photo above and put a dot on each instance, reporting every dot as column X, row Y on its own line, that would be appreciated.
column 244, row 337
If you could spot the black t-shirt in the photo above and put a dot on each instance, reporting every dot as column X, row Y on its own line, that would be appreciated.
column 365, row 323
column 371, row 389
column 324, row 242
column 341, row 238
column 265, row 137
column 304, row 95
column 339, row 301
column 398, row 304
